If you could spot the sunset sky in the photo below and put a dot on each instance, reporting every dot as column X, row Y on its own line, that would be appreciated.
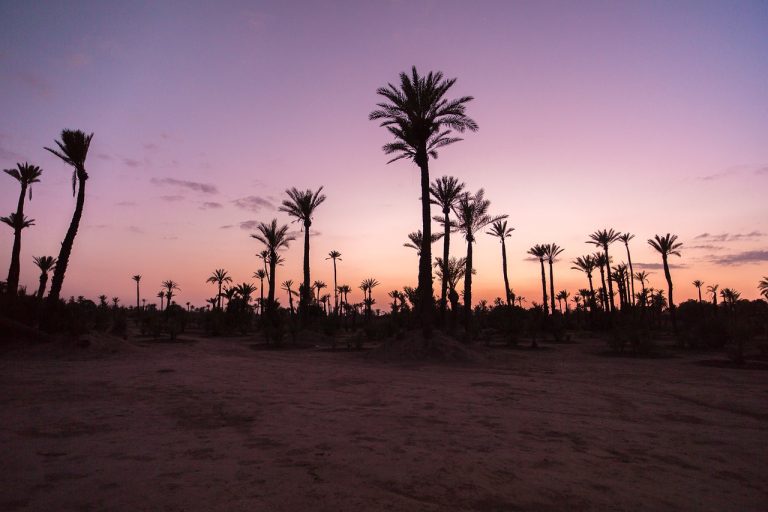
column 648, row 117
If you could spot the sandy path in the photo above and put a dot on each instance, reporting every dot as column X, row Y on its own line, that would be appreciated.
column 217, row 426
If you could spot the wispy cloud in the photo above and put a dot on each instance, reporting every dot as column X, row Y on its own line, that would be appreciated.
column 729, row 237
column 135, row 229
column 253, row 203
column 657, row 266
column 205, row 188
column 718, row 175
column 210, row 205
column 228, row 226
column 149, row 146
column 706, row 247
column 249, row 225
column 741, row 258
column 172, row 199
column 103, row 156
column 125, row 203
column 130, row 162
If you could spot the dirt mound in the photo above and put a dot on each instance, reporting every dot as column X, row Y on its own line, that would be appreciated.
column 414, row 347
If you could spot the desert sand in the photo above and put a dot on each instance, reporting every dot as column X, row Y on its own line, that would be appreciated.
column 212, row 424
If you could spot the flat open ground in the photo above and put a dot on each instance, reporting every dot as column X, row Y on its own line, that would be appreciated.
column 215, row 425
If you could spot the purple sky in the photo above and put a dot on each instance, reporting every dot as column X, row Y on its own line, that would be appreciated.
column 649, row 117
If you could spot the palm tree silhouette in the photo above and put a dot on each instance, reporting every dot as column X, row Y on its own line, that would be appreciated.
column 260, row 275
column 137, row 278
column 713, row 290
column 587, row 265
column 603, row 238
column 500, row 230
column 421, row 120
column 245, row 291
column 457, row 267
column 344, row 289
column 626, row 237
column 45, row 264
column 219, row 277
column 763, row 287
column 444, row 193
column 552, row 251
column 301, row 205
column 642, row 276
column 287, row 287
column 540, row 251
column 698, row 284
column 367, row 285
column 563, row 295
column 319, row 285
column 602, row 264
column 666, row 246
column 73, row 150
column 161, row 296
column 169, row 286
column 274, row 238
column 26, row 175
column 335, row 255
column 472, row 215
column 417, row 240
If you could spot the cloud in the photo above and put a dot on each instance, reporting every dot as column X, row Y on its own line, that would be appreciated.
column 172, row 199
column 249, row 225
column 707, row 247
column 205, row 188
column 717, row 175
column 130, row 162
column 150, row 146
column 135, row 229
column 103, row 156
column 729, row 237
column 253, row 203
column 740, row 258
column 228, row 226
column 125, row 203
column 657, row 266
column 208, row 205
column 170, row 237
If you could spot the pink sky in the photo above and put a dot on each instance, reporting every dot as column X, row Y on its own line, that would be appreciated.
column 647, row 117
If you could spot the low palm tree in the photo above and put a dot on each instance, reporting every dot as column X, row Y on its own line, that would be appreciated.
column 421, row 119
column 472, row 216
column 245, row 291
column 626, row 237
column 169, row 286
column 563, row 295
column 26, row 175
column 367, row 285
column 444, row 193
column 603, row 238
column 552, row 251
column 115, row 301
column 698, row 284
column 73, row 150
column 335, row 255
column 667, row 246
column 275, row 239
column 540, row 251
column 587, row 265
column 642, row 276
column 344, row 289
column 287, row 287
column 318, row 285
column 763, row 287
column 260, row 275
column 302, row 204
column 500, row 230
column 161, row 296
column 713, row 290
column 45, row 264
column 17, row 223
column 219, row 277
column 457, row 268
column 137, row 278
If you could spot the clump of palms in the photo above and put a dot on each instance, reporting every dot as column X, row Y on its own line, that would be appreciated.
column 421, row 119
column 45, row 264
column 667, row 246
column 587, row 265
column 302, row 204
column 500, row 230
column 444, row 193
column 367, row 285
column 26, row 174
column 260, row 275
column 626, row 237
column 170, row 285
column 603, row 238
column 275, row 238
column 219, row 277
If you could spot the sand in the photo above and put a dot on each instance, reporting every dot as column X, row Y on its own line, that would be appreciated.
column 211, row 424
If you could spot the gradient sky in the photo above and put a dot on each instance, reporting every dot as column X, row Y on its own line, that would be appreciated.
column 648, row 117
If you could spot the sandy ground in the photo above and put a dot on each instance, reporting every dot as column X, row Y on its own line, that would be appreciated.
column 216, row 425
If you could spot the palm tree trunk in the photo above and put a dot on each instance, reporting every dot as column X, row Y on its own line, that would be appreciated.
column 611, row 305
column 504, row 269
column 444, row 283
column 671, row 300
column 544, row 287
column 335, row 290
column 66, row 246
column 306, row 299
column 551, row 287
column 604, row 292
column 631, row 275
column 138, row 302
column 15, row 267
column 468, row 290
column 591, row 294
column 43, row 284
column 219, row 297
column 425, row 261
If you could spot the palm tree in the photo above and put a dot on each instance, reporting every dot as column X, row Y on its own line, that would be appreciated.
column 421, row 120
column 45, row 264
column 713, row 290
column 161, row 296
column 642, row 276
column 260, row 275
column 301, row 205
column 137, row 278
column 17, row 223
column 698, row 284
column 563, row 295
column 274, row 238
column 763, row 287
column 587, row 265
column 367, row 285
column 26, row 175
column 602, row 264
column 73, row 150
column 219, row 276
column 287, row 287
column 344, row 289
column 245, row 291
column 626, row 237
column 472, row 215
column 603, row 238
column 500, row 230
column 319, row 285
column 456, row 267
column 540, row 251
column 169, row 286
column 552, row 251
column 444, row 192
column 666, row 246
column 417, row 240
column 335, row 255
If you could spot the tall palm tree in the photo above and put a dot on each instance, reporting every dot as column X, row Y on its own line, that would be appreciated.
column 444, row 193
column 169, row 286
column 603, row 238
column 587, row 265
column 713, row 290
column 335, row 255
column 45, row 264
column 698, row 284
column 422, row 120
column 500, row 230
column 161, row 296
column 626, row 237
column 219, row 277
column 73, row 150
column 287, row 287
column 417, row 240
column 667, row 246
column 552, row 251
column 540, row 251
column 763, row 287
column 602, row 264
column 26, row 175
column 274, row 238
column 472, row 215
column 260, row 275
column 137, row 278
column 302, row 204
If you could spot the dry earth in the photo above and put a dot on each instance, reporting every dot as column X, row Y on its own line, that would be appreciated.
column 214, row 425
